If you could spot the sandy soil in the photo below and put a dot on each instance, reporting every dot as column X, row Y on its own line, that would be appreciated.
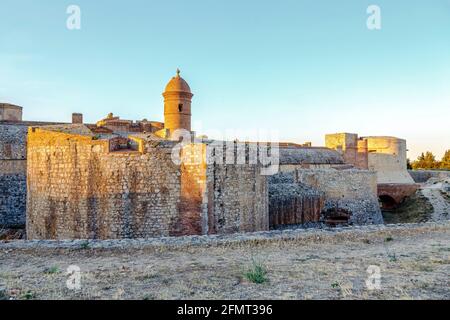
column 414, row 264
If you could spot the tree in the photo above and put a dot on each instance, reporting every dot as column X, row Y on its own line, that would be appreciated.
column 426, row 161
column 408, row 164
column 430, row 160
column 445, row 162
column 419, row 163
column 421, row 157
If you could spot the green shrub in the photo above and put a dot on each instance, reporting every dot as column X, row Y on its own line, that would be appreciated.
column 256, row 273
column 85, row 245
column 28, row 295
column 335, row 285
column 51, row 270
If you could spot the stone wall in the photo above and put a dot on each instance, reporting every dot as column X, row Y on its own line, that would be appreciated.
column 353, row 150
column 352, row 190
column 10, row 112
column 387, row 156
column 13, row 139
column 12, row 193
column 78, row 188
column 237, row 198
column 12, row 175
column 192, row 219
column 422, row 176
column 291, row 203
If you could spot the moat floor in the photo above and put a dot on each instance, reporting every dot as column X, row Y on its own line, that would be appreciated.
column 414, row 264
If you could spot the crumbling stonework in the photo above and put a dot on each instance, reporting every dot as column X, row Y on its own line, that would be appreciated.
column 291, row 203
column 316, row 185
column 12, row 142
column 240, row 201
column 352, row 190
column 191, row 219
column 78, row 188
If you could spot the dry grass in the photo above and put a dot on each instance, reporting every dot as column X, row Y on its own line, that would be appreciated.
column 414, row 265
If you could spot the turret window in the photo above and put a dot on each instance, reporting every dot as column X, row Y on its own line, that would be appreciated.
column 180, row 107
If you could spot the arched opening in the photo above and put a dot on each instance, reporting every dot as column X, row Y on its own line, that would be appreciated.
column 387, row 202
column 337, row 216
column 180, row 107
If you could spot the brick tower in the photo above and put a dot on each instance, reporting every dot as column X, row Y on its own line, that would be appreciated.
column 177, row 104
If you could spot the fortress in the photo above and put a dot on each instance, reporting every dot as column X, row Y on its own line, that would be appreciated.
column 118, row 178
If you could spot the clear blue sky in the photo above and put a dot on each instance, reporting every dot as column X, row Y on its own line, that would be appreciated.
column 305, row 68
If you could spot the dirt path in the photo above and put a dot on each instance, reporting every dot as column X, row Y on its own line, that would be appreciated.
column 440, row 205
column 414, row 264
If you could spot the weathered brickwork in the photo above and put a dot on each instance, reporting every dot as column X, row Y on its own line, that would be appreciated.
column 78, row 188
column 13, row 145
column 291, row 203
column 352, row 190
column 238, row 200
column 13, row 142
column 229, row 197
column 315, row 186
column 192, row 219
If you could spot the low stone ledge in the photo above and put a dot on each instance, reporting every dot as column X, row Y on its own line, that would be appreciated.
column 218, row 240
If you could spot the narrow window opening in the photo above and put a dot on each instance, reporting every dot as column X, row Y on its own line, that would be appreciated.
column 180, row 107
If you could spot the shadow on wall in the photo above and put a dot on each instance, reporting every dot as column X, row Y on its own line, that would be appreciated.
column 12, row 200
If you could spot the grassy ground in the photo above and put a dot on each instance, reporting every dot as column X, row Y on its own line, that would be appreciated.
column 414, row 264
